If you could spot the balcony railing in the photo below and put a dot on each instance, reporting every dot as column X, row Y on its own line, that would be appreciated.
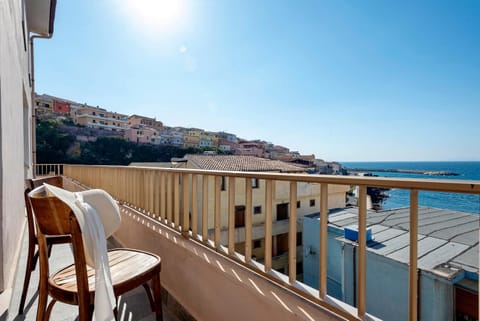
column 48, row 169
column 190, row 201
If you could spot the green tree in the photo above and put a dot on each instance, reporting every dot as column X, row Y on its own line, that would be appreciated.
column 52, row 142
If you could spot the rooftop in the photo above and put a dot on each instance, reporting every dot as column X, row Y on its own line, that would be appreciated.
column 447, row 240
column 242, row 163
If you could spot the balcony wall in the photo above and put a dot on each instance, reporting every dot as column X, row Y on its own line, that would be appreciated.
column 210, row 286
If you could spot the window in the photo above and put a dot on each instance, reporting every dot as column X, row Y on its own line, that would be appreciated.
column 299, row 238
column 257, row 210
column 298, row 204
column 282, row 211
column 257, row 244
column 239, row 216
column 255, row 183
column 312, row 203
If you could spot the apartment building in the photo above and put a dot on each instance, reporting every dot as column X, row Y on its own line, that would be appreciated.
column 250, row 148
column 19, row 20
column 47, row 104
column 227, row 142
column 307, row 203
column 43, row 104
column 191, row 141
column 142, row 135
column 208, row 139
column 137, row 120
column 61, row 107
column 95, row 117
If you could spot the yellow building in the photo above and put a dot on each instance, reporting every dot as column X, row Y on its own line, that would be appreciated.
column 137, row 120
column 95, row 117
column 191, row 141
column 43, row 104
column 142, row 135
column 308, row 202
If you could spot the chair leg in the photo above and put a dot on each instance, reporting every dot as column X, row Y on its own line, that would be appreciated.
column 85, row 312
column 149, row 295
column 42, row 297
column 157, row 295
column 49, row 309
column 28, row 271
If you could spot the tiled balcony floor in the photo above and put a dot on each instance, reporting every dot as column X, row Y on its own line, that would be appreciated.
column 132, row 306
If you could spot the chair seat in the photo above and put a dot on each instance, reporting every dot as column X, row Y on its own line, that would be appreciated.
column 129, row 269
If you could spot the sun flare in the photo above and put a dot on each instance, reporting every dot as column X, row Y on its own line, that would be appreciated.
column 156, row 15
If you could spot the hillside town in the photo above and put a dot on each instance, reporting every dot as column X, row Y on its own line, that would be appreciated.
column 146, row 130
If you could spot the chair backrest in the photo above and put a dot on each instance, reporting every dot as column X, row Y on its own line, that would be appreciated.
column 52, row 180
column 54, row 217
column 30, row 184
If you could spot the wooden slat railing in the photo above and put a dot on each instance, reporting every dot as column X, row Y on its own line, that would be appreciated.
column 164, row 194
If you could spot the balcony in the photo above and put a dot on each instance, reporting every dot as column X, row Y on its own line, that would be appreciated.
column 103, row 117
column 185, row 217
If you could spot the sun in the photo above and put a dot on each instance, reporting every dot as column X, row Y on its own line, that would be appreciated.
column 156, row 15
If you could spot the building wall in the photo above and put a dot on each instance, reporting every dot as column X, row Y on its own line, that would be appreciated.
column 15, row 111
column 61, row 107
column 136, row 120
column 142, row 135
column 387, row 279
column 281, row 190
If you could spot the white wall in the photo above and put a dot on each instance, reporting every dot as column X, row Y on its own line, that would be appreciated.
column 15, row 99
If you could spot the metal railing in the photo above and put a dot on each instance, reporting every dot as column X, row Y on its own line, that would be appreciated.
column 189, row 201
column 48, row 169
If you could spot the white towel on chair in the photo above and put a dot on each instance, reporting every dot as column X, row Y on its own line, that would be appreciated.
column 98, row 216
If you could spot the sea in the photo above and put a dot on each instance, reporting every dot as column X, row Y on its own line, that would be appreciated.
column 453, row 201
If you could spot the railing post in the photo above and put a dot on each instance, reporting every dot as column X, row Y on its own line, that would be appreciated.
column 205, row 207
column 176, row 200
column 413, row 270
column 362, row 251
column 169, row 197
column 186, row 204
column 323, row 240
column 292, row 234
column 163, row 196
column 268, row 225
column 217, row 214
column 231, row 215
column 248, row 219
column 194, row 223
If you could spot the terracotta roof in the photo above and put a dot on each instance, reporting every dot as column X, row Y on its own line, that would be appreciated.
column 242, row 164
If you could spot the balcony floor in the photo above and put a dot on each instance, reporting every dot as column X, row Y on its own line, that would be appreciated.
column 132, row 306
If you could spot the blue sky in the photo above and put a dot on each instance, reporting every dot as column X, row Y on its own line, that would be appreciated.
column 345, row 80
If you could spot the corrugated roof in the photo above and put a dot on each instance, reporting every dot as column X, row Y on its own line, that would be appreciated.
column 447, row 240
column 242, row 164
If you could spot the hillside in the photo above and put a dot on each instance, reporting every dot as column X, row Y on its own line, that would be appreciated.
column 57, row 143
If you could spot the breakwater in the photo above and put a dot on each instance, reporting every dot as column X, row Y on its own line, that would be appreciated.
column 406, row 171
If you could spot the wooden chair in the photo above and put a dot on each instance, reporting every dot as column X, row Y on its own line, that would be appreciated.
column 32, row 255
column 75, row 284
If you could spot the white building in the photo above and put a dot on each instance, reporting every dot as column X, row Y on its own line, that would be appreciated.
column 21, row 21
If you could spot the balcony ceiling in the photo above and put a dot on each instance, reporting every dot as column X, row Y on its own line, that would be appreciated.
column 41, row 16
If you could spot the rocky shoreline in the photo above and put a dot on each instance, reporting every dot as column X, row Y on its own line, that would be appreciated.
column 407, row 171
